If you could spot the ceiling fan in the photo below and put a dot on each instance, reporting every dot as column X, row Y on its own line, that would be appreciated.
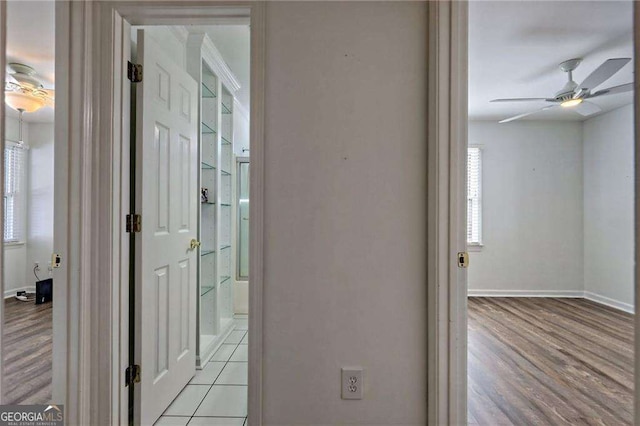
column 23, row 90
column 574, row 95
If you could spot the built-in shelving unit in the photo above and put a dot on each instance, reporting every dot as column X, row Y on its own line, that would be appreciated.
column 215, row 286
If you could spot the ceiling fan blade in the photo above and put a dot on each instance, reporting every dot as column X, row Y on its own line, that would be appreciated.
column 603, row 73
column 587, row 108
column 519, row 100
column 613, row 90
column 516, row 117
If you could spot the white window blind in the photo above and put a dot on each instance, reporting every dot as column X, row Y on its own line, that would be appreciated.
column 14, row 211
column 474, row 196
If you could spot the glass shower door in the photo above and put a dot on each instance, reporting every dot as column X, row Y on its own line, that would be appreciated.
column 243, row 220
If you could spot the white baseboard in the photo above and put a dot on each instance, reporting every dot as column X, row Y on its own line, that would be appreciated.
column 612, row 303
column 626, row 307
column 525, row 293
column 11, row 293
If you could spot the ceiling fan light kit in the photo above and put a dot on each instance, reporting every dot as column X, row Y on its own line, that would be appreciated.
column 573, row 95
column 24, row 92
column 571, row 103
column 23, row 102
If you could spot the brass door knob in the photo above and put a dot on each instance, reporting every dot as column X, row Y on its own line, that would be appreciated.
column 194, row 244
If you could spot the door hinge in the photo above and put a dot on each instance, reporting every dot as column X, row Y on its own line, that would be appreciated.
column 134, row 72
column 132, row 375
column 134, row 223
column 463, row 259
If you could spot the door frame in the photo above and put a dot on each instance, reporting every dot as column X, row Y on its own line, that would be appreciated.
column 60, row 331
column 3, row 60
column 88, row 36
column 447, row 301
column 636, row 115
column 446, row 212
column 86, row 39
column 93, row 95
column 239, row 160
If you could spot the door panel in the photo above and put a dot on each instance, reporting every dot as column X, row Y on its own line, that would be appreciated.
column 166, row 160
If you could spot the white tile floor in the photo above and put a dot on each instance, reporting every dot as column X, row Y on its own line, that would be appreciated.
column 217, row 395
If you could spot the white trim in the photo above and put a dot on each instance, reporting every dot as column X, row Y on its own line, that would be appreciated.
column 82, row 298
column 212, row 56
column 214, row 346
column 526, row 293
column 8, row 294
column 9, row 245
column 188, row 12
column 121, row 87
column 222, row 70
column 181, row 33
column 636, row 116
column 256, row 218
column 230, row 20
column 447, row 209
column 240, row 110
column 91, row 167
column 576, row 294
column 3, row 60
column 612, row 303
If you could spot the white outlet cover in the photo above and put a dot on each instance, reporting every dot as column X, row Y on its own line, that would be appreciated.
column 352, row 383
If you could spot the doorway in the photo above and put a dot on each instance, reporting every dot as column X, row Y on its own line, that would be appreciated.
column 188, row 338
column 550, row 185
column 448, row 327
column 28, row 206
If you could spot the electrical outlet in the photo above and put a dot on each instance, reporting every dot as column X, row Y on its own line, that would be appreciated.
column 352, row 384
column 36, row 266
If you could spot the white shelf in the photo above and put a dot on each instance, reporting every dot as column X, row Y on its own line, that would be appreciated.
column 217, row 88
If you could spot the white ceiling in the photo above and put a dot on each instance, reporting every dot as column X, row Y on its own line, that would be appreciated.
column 31, row 41
column 233, row 42
column 515, row 48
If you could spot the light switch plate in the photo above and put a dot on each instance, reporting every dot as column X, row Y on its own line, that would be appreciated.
column 352, row 384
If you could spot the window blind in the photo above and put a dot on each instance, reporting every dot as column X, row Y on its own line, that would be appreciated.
column 14, row 209
column 474, row 193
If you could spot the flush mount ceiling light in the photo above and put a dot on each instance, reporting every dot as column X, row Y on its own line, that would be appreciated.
column 23, row 91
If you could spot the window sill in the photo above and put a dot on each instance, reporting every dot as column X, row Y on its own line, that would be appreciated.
column 475, row 247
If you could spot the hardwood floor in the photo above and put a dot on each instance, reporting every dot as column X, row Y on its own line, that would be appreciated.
column 539, row 361
column 27, row 352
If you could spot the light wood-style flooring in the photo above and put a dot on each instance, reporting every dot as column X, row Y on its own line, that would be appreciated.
column 27, row 352
column 540, row 361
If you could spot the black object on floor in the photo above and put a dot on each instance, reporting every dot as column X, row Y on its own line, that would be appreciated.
column 44, row 291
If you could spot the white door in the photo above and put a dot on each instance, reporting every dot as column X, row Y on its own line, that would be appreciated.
column 167, row 199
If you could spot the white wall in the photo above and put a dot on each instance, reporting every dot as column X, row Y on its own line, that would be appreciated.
column 608, row 206
column 241, row 130
column 345, row 235
column 15, row 258
column 15, row 254
column 40, row 200
column 38, row 245
column 532, row 207
column 168, row 38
